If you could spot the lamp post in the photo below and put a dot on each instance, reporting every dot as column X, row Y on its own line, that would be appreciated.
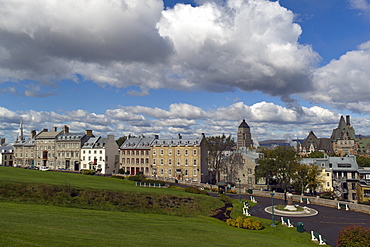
column 240, row 193
column 272, row 210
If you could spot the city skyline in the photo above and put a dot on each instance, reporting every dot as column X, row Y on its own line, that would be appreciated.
column 120, row 67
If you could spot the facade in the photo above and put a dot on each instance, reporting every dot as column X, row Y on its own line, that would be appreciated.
column 101, row 155
column 45, row 153
column 24, row 150
column 363, row 186
column 244, row 137
column 179, row 158
column 343, row 172
column 68, row 149
column 241, row 165
column 134, row 155
column 6, row 153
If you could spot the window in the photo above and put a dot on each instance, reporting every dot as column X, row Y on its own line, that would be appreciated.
column 186, row 162
column 186, row 172
column 249, row 180
column 178, row 162
column 162, row 152
column 162, row 171
column 186, row 152
column 249, row 170
column 162, row 162
column 195, row 172
column 154, row 152
column 170, row 162
column 170, row 172
column 327, row 174
column 194, row 152
column 169, row 151
column 153, row 161
column 194, row 162
column 178, row 151
column 327, row 184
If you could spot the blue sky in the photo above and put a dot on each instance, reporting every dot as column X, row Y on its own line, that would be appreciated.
column 190, row 67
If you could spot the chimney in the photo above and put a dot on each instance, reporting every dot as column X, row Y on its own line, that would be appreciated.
column 55, row 129
column 88, row 133
column 360, row 136
column 33, row 134
column 2, row 141
column 180, row 137
column 111, row 138
column 347, row 121
column 156, row 136
column 45, row 130
column 65, row 129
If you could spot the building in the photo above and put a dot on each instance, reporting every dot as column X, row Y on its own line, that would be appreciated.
column 24, row 149
column 6, row 153
column 101, row 155
column 68, row 148
column 134, row 155
column 363, row 186
column 343, row 172
column 45, row 144
column 244, row 137
column 179, row 158
column 241, row 165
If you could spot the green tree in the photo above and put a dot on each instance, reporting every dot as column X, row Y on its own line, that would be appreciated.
column 278, row 165
column 121, row 140
column 307, row 176
column 216, row 146
column 363, row 161
column 316, row 155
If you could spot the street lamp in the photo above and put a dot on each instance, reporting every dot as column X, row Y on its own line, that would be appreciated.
column 272, row 210
column 240, row 193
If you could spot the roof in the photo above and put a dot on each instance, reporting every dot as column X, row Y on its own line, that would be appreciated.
column 47, row 135
column 244, row 124
column 178, row 142
column 347, row 163
column 69, row 136
column 137, row 143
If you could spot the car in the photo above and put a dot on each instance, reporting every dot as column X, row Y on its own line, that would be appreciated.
column 44, row 168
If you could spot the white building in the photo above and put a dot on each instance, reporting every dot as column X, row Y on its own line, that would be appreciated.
column 101, row 155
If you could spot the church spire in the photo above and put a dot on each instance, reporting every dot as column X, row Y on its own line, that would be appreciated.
column 20, row 134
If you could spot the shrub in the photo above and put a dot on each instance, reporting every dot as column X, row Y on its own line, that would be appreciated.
column 224, row 198
column 119, row 177
column 195, row 190
column 246, row 223
column 121, row 171
column 136, row 178
column 354, row 236
column 87, row 172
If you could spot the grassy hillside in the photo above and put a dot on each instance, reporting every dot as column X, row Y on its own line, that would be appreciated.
column 30, row 217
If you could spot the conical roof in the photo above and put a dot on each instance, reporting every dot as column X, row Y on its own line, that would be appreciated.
column 244, row 124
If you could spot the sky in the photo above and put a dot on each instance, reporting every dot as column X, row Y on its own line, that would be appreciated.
column 166, row 67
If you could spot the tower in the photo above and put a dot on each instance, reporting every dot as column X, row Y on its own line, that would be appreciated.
column 20, row 136
column 244, row 135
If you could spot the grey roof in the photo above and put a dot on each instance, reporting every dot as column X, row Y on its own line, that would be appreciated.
column 347, row 163
column 7, row 148
column 91, row 142
column 178, row 142
column 138, row 143
column 69, row 136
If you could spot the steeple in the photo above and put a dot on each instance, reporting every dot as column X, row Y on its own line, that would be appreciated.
column 20, row 136
column 244, row 135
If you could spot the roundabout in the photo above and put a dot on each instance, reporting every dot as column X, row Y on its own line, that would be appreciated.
column 306, row 212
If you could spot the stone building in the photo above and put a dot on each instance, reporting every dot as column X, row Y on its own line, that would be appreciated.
column 244, row 137
column 6, row 153
column 134, row 155
column 179, row 158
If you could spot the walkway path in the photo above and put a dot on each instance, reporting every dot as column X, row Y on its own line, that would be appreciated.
column 328, row 222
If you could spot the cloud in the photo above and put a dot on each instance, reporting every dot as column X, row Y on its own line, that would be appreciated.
column 344, row 83
column 250, row 45
column 363, row 5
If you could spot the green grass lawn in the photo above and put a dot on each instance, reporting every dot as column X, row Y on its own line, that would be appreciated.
column 41, row 225
column 30, row 224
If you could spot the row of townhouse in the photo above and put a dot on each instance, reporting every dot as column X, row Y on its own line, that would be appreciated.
column 63, row 150
column 166, row 158
column 343, row 177
column 6, row 153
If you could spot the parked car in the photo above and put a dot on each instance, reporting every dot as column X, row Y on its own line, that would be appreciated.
column 44, row 168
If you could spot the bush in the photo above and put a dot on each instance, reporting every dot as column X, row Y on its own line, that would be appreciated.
column 119, row 177
column 246, row 223
column 354, row 236
column 121, row 171
column 195, row 190
column 87, row 172
column 137, row 178
column 224, row 198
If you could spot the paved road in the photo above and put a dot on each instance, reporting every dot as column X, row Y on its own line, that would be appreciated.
column 328, row 222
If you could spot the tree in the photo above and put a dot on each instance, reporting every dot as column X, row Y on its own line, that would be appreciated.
column 363, row 161
column 307, row 176
column 231, row 166
column 316, row 154
column 121, row 140
column 216, row 146
column 278, row 166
